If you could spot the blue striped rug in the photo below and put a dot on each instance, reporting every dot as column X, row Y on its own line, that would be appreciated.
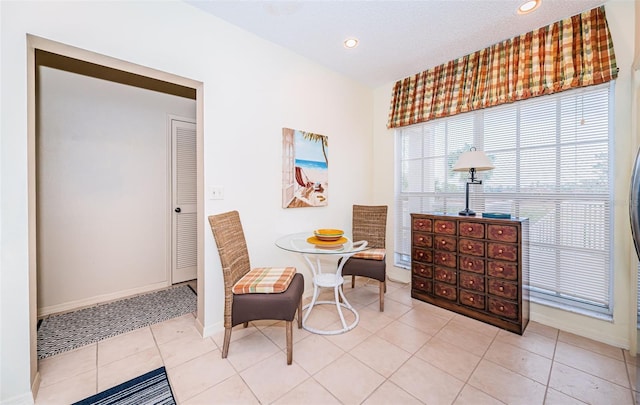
column 150, row 388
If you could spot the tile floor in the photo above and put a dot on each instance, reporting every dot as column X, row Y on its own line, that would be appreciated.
column 413, row 353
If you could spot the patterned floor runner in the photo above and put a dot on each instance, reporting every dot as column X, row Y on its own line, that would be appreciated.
column 150, row 388
column 60, row 333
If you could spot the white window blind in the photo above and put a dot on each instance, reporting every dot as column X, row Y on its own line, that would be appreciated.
column 553, row 159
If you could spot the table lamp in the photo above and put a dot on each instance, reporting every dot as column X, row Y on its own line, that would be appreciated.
column 473, row 161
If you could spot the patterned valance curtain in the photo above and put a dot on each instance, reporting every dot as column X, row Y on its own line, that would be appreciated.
column 574, row 52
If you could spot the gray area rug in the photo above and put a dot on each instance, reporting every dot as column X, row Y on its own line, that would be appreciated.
column 68, row 331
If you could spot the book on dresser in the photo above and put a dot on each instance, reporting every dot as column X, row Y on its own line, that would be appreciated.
column 474, row 266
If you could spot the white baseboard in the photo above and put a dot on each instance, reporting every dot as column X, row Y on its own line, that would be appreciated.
column 23, row 399
column 211, row 329
column 398, row 274
column 576, row 329
column 99, row 299
column 35, row 386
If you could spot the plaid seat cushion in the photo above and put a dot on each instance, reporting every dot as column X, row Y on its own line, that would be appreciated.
column 371, row 254
column 265, row 280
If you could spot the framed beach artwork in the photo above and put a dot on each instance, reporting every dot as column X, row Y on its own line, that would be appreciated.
column 305, row 168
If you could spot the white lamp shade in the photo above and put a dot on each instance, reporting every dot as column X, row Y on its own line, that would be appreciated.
column 474, row 159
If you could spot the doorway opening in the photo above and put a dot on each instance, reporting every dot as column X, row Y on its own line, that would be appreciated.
column 42, row 52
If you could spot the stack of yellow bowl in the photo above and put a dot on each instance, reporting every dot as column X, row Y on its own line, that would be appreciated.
column 328, row 235
column 328, row 238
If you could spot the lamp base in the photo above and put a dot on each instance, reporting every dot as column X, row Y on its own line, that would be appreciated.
column 467, row 212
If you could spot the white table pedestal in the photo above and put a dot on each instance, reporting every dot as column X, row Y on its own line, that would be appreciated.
column 335, row 281
column 330, row 279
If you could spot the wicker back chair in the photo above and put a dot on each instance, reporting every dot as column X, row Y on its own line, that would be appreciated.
column 369, row 223
column 242, row 308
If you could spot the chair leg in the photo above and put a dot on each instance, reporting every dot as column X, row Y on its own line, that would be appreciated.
column 383, row 289
column 246, row 324
column 289, row 342
column 300, row 314
column 353, row 281
column 225, row 344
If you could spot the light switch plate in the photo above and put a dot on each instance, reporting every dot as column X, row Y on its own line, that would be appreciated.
column 216, row 193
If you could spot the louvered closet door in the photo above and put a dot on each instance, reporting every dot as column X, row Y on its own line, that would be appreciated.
column 184, row 195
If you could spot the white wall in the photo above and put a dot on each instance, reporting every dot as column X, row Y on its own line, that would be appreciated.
column 620, row 15
column 383, row 175
column 252, row 89
column 103, row 189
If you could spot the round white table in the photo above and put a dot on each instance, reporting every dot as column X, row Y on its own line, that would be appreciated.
column 331, row 279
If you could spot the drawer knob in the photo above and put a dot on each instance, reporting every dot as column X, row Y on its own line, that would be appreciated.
column 500, row 232
column 444, row 259
column 443, row 226
column 421, row 239
column 500, row 269
column 444, row 292
column 420, row 254
column 421, row 285
column 499, row 250
column 469, row 247
column 501, row 288
column 469, row 265
column 471, row 282
column 501, row 308
column 470, row 299
column 470, row 229
column 444, row 242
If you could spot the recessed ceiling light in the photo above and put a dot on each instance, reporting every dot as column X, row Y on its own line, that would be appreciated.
column 529, row 6
column 351, row 43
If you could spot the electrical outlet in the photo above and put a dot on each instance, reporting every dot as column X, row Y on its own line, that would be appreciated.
column 216, row 193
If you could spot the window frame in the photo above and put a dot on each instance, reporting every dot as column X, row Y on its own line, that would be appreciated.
column 404, row 200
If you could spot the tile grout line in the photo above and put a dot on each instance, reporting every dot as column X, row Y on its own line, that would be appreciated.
column 596, row 376
column 591, row 374
column 466, row 382
column 344, row 352
column 553, row 356
column 449, row 321
column 388, row 379
column 626, row 365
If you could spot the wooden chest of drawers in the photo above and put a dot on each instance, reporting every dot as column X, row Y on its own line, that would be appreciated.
column 474, row 266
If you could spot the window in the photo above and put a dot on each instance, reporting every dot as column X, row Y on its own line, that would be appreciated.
column 553, row 159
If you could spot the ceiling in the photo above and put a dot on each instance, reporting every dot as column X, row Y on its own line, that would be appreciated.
column 397, row 38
